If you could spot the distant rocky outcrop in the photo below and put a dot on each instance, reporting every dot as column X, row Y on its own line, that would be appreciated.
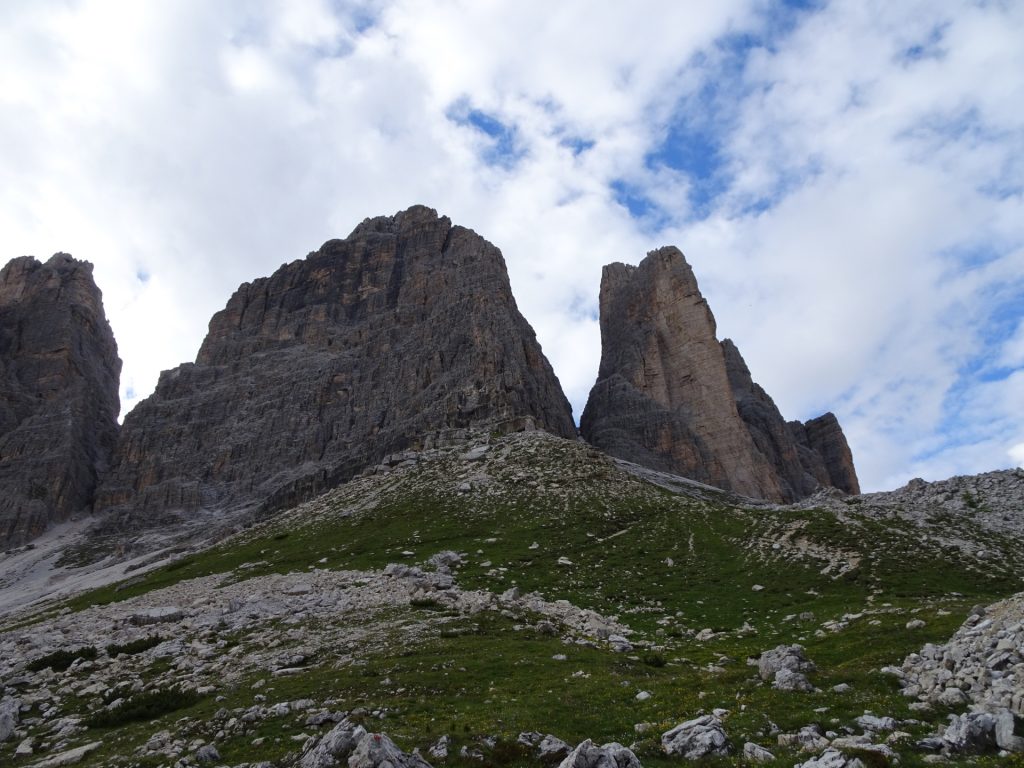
column 670, row 396
column 59, row 375
column 402, row 335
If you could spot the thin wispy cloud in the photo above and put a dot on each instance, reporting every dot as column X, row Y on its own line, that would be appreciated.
column 846, row 177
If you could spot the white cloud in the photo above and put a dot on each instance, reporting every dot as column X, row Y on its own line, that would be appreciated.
column 868, row 232
column 1017, row 454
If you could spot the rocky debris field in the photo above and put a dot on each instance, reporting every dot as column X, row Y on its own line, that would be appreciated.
column 499, row 601
column 982, row 667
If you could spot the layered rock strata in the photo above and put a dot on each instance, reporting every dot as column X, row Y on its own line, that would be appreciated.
column 670, row 396
column 393, row 338
column 59, row 375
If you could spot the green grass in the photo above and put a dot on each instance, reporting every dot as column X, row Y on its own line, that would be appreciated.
column 667, row 566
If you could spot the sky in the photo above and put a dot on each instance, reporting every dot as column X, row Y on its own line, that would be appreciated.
column 845, row 176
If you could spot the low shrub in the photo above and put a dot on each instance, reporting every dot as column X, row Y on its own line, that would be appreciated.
column 59, row 661
column 135, row 646
column 654, row 659
column 148, row 705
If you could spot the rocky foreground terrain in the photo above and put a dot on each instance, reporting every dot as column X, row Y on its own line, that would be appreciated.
column 526, row 600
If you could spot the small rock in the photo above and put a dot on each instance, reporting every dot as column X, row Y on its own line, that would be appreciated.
column 207, row 754
column 869, row 722
column 157, row 616
column 788, row 680
column 915, row 624
column 755, row 753
column 552, row 748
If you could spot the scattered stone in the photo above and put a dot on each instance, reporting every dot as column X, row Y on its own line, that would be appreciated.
column 788, row 680
column 864, row 746
column 842, row 688
column 915, row 624
column 439, row 749
column 697, row 738
column 207, row 754
column 339, row 742
column 869, row 722
column 552, row 748
column 808, row 739
column 755, row 753
column 643, row 696
column 952, row 697
column 589, row 755
column 157, row 616
column 973, row 733
column 832, row 758
column 788, row 657
column 70, row 757
column 10, row 711
column 476, row 453
column 376, row 750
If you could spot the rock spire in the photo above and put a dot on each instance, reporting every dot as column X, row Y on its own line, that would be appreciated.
column 59, row 375
column 669, row 395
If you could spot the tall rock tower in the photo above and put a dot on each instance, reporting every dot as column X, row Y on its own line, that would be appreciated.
column 59, row 375
column 669, row 395
column 401, row 333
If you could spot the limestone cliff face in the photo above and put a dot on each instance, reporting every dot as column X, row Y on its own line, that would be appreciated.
column 59, row 375
column 670, row 396
column 662, row 396
column 824, row 452
column 401, row 333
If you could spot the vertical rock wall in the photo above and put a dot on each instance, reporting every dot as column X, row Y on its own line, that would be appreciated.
column 59, row 375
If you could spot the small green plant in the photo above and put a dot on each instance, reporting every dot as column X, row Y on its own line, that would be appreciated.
column 59, row 661
column 428, row 603
column 970, row 499
column 654, row 659
column 135, row 646
column 144, row 706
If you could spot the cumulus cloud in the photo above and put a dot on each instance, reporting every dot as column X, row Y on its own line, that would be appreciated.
column 846, row 179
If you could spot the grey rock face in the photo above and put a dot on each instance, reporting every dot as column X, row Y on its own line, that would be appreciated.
column 670, row 396
column 589, row 755
column 825, row 454
column 697, row 738
column 59, row 373
column 400, row 336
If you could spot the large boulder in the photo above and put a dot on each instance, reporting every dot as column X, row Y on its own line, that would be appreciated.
column 697, row 738
column 59, row 375
column 589, row 755
column 783, row 657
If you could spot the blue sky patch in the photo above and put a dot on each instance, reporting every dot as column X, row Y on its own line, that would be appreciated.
column 632, row 198
column 503, row 147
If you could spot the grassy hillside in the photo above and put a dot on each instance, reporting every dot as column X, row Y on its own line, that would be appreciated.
column 702, row 581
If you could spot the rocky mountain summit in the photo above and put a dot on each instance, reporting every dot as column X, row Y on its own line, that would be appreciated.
column 59, row 373
column 670, row 396
column 401, row 336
